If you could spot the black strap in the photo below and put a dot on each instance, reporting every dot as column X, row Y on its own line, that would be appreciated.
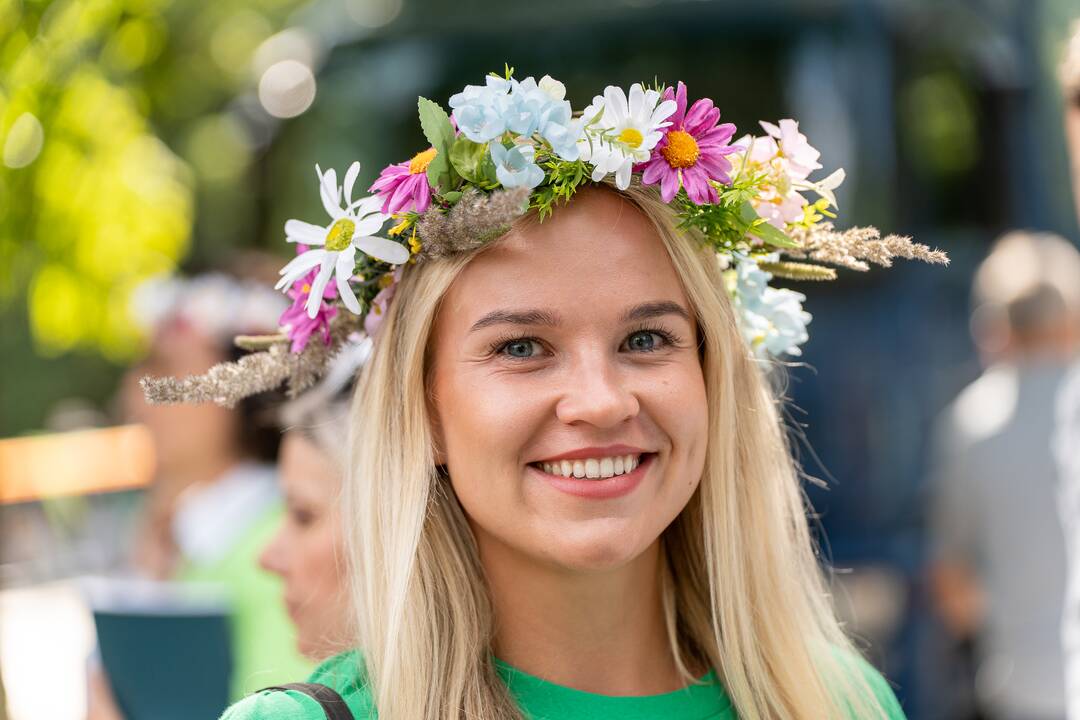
column 332, row 704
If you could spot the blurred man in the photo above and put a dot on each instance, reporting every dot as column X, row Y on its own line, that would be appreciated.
column 1067, row 438
column 998, row 552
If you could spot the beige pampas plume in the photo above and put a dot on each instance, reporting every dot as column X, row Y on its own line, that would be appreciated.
column 856, row 247
column 474, row 221
column 227, row 383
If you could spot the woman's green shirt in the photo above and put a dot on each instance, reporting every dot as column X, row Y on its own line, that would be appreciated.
column 538, row 699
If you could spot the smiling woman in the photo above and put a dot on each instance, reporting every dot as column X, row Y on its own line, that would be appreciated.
column 570, row 495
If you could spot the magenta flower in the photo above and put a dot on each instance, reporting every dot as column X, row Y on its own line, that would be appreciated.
column 404, row 186
column 692, row 151
column 299, row 326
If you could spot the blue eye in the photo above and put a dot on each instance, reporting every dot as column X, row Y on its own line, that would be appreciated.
column 519, row 348
column 643, row 341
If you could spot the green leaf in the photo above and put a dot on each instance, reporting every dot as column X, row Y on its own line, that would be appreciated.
column 451, row 197
column 467, row 157
column 761, row 229
column 435, row 123
column 772, row 236
column 440, row 133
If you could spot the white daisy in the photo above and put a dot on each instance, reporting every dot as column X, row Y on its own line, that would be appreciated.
column 352, row 228
column 622, row 131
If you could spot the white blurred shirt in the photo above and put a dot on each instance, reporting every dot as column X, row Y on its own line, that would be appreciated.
column 995, row 512
column 1067, row 449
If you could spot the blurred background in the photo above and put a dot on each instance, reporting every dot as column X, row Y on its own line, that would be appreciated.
column 142, row 137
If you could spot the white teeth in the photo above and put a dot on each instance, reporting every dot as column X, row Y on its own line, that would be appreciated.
column 592, row 468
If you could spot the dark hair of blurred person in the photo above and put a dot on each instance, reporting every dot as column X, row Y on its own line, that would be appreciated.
column 998, row 555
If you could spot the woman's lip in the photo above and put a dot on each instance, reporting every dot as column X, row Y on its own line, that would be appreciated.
column 599, row 488
column 595, row 452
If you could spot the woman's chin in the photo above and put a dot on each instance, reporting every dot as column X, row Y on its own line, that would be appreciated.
column 600, row 546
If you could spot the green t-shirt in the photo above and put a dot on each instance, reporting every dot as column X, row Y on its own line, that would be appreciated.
column 540, row 700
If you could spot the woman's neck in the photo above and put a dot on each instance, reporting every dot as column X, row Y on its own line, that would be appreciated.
column 601, row 632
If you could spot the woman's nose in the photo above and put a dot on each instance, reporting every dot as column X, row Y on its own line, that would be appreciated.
column 596, row 395
column 272, row 557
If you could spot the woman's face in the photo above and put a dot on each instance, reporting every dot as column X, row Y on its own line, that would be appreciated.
column 184, row 434
column 308, row 547
column 569, row 349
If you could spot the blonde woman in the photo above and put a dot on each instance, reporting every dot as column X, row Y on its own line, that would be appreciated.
column 488, row 586
column 569, row 493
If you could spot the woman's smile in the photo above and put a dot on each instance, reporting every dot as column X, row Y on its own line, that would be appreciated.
column 597, row 478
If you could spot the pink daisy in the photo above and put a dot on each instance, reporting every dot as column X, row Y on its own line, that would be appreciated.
column 692, row 151
column 404, row 186
column 299, row 327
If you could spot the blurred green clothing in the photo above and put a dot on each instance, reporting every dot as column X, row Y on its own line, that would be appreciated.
column 263, row 637
column 538, row 699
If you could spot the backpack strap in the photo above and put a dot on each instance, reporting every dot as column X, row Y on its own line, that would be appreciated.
column 332, row 704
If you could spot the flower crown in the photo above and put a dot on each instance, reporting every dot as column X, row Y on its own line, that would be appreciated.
column 509, row 147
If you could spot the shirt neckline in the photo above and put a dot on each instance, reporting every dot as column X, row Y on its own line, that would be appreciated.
column 542, row 699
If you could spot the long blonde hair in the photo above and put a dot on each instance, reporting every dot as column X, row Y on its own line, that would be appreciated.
column 742, row 588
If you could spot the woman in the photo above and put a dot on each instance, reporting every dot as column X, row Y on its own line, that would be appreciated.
column 570, row 495
column 214, row 502
column 308, row 549
column 478, row 571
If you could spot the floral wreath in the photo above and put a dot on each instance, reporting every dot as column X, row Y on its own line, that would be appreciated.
column 509, row 147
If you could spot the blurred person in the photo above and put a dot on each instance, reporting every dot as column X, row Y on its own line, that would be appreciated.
column 215, row 501
column 998, row 558
column 1067, row 437
column 308, row 549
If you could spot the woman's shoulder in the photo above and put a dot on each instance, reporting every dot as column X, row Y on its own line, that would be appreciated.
column 343, row 673
column 877, row 683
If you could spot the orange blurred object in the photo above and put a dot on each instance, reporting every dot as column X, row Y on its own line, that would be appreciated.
column 75, row 463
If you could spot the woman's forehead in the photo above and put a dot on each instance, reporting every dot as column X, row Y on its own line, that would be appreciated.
column 597, row 256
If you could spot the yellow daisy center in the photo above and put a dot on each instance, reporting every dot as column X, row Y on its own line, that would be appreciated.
column 681, row 150
column 305, row 288
column 340, row 235
column 632, row 137
column 421, row 160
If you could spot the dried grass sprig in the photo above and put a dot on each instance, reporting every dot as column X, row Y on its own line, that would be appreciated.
column 856, row 247
column 226, row 383
column 474, row 221
column 798, row 271
column 252, row 343
column 230, row 382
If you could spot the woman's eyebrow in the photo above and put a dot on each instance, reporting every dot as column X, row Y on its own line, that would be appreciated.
column 516, row 317
column 649, row 310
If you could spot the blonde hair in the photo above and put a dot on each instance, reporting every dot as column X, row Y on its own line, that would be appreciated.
column 742, row 589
